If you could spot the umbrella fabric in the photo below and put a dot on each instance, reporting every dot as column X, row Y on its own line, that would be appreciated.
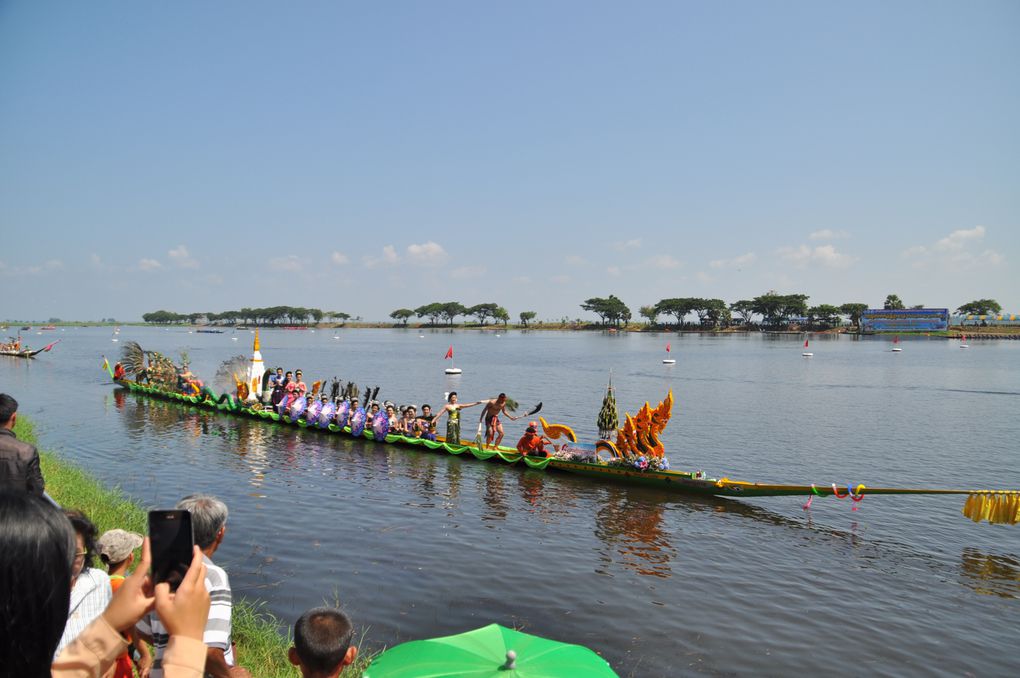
column 483, row 652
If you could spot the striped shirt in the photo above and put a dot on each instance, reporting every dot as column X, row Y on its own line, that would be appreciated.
column 217, row 629
column 89, row 597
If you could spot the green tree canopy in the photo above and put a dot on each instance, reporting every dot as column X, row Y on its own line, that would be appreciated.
column 980, row 307
column 431, row 311
column 482, row 311
column 745, row 308
column 501, row 315
column 527, row 316
column 402, row 314
column 678, row 307
column 854, row 310
column 450, row 310
column 610, row 310
column 893, row 303
column 649, row 313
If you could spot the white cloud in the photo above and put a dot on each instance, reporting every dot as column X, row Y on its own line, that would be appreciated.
column 429, row 254
column 468, row 272
column 180, row 256
column 735, row 262
column 48, row 266
column 388, row 258
column 627, row 245
column 952, row 253
column 958, row 239
column 663, row 261
column 522, row 280
column 703, row 277
column 575, row 260
column 149, row 265
column 338, row 258
column 824, row 255
column 828, row 234
column 614, row 271
column 560, row 279
column 286, row 264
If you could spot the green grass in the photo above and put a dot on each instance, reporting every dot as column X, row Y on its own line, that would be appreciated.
column 260, row 646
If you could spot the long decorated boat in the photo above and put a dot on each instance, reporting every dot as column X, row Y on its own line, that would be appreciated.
column 16, row 350
column 636, row 456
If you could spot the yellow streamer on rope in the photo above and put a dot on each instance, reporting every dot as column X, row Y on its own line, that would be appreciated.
column 998, row 508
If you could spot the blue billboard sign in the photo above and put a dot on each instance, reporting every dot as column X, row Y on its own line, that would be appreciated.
column 906, row 320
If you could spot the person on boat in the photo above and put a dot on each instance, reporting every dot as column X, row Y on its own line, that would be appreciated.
column 280, row 389
column 298, row 386
column 119, row 372
column 391, row 415
column 452, row 410
column 424, row 423
column 274, row 379
column 409, row 423
column 490, row 415
column 531, row 443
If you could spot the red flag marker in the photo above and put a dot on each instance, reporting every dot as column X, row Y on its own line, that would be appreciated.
column 667, row 348
column 449, row 353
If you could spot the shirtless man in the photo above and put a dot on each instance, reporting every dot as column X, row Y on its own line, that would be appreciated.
column 490, row 415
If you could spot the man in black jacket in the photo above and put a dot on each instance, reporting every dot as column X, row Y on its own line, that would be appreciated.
column 19, row 461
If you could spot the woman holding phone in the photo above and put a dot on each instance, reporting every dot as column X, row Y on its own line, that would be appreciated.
column 37, row 549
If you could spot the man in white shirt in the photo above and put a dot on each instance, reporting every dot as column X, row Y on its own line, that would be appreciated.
column 209, row 524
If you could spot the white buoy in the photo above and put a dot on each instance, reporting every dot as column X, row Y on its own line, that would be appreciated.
column 233, row 338
column 668, row 361
column 964, row 346
column 453, row 370
column 807, row 354
column 115, row 339
column 896, row 349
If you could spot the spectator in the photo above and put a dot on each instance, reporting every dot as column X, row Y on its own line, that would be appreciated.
column 322, row 643
column 117, row 551
column 19, row 461
column 209, row 524
column 90, row 588
column 37, row 546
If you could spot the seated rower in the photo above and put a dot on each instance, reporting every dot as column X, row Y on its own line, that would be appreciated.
column 425, row 424
column 532, row 444
column 119, row 372
column 409, row 424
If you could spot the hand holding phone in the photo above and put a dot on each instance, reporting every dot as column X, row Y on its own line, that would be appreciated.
column 172, row 542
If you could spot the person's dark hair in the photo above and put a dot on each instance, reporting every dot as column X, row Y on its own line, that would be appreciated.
column 208, row 515
column 450, row 395
column 85, row 527
column 501, row 395
column 8, row 406
column 36, row 554
column 426, row 405
column 322, row 637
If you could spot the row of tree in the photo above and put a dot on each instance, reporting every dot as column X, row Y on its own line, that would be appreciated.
column 448, row 311
column 273, row 315
column 774, row 309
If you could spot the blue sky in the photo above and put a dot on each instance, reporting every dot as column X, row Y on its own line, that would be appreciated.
column 363, row 157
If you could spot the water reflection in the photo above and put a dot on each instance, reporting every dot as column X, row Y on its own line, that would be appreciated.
column 633, row 531
column 990, row 574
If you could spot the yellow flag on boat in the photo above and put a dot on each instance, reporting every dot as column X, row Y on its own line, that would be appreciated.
column 998, row 508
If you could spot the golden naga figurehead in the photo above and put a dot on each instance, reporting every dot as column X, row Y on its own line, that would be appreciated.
column 639, row 434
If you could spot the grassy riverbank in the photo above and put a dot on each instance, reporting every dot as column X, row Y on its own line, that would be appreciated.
column 260, row 647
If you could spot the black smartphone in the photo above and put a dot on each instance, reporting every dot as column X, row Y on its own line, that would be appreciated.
column 170, row 541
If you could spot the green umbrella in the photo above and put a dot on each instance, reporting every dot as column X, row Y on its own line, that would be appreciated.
column 492, row 650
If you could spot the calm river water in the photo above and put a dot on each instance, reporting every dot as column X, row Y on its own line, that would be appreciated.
column 416, row 544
